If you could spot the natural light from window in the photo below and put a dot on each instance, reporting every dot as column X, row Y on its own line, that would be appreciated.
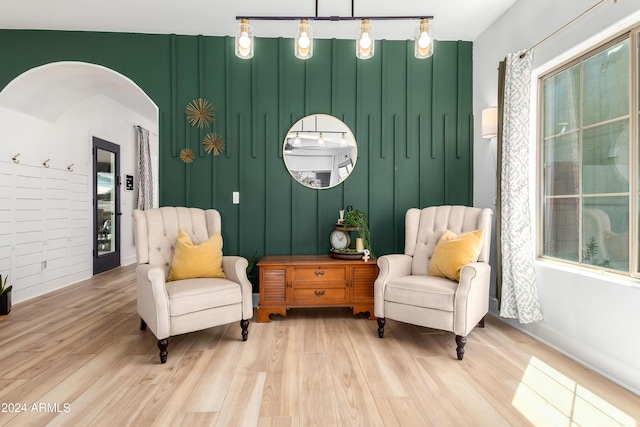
column 548, row 398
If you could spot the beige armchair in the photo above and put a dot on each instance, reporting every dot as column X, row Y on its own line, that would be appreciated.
column 404, row 291
column 187, row 305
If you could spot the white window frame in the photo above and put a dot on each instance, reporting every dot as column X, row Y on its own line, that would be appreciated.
column 634, row 161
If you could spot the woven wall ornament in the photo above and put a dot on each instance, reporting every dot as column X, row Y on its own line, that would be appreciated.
column 200, row 112
column 213, row 142
column 187, row 155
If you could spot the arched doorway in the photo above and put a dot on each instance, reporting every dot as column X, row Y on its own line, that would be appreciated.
column 48, row 118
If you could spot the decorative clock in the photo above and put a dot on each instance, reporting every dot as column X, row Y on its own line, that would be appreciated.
column 340, row 239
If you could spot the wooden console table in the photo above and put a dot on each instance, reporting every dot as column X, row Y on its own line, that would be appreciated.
column 292, row 281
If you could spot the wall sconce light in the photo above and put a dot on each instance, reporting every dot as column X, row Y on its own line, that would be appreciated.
column 304, row 40
column 365, row 45
column 343, row 140
column 320, row 140
column 424, row 41
column 296, row 140
column 244, row 40
column 490, row 122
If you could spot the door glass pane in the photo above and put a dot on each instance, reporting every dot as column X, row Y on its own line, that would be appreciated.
column 606, row 84
column 561, row 228
column 605, row 232
column 605, row 158
column 105, row 191
column 562, row 102
column 562, row 165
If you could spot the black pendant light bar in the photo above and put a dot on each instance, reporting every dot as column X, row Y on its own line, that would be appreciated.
column 332, row 18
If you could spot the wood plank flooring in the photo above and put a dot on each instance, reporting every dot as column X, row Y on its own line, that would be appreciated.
column 76, row 357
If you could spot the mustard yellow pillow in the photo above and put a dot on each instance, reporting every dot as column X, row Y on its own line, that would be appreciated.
column 454, row 252
column 191, row 261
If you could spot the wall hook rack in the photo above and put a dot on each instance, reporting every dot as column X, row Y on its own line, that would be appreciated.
column 46, row 163
column 15, row 158
column 70, row 167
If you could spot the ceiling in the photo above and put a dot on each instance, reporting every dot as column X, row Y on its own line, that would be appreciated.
column 453, row 19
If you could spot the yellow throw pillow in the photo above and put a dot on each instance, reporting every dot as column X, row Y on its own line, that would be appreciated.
column 191, row 261
column 454, row 252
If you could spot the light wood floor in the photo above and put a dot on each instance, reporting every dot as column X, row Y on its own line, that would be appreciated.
column 79, row 356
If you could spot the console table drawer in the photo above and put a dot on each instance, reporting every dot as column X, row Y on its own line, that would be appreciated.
column 320, row 296
column 319, row 274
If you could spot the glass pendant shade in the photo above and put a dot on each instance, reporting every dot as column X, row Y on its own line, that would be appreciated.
column 304, row 40
column 365, row 45
column 423, row 41
column 244, row 40
column 320, row 140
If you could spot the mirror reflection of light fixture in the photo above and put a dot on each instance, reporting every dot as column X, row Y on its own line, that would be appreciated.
column 304, row 40
column 490, row 122
column 296, row 140
column 244, row 40
column 343, row 140
column 365, row 45
column 320, row 140
column 423, row 41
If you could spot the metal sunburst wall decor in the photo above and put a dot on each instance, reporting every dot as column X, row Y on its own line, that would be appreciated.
column 200, row 112
column 213, row 142
column 187, row 155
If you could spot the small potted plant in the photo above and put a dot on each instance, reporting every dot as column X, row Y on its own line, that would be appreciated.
column 359, row 220
column 5, row 296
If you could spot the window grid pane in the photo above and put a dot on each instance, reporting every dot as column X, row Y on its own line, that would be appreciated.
column 585, row 167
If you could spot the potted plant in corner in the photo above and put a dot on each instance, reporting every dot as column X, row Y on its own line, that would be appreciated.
column 5, row 296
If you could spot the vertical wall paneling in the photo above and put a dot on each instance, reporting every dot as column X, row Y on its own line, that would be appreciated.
column 174, row 103
column 201, row 92
column 227, row 96
column 445, row 139
column 404, row 113
column 470, row 139
column 187, row 166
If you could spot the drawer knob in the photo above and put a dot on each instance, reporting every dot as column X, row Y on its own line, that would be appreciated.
column 319, row 273
column 319, row 293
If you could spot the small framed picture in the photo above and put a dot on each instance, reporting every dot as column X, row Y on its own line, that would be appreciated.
column 128, row 182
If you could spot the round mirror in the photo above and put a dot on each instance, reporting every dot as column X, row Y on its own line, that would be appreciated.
column 320, row 151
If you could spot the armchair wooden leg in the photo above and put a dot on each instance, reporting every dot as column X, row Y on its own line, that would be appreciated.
column 143, row 324
column 244, row 324
column 162, row 345
column 461, row 341
column 381, row 322
column 481, row 322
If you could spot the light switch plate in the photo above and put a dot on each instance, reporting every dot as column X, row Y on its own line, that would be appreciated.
column 236, row 197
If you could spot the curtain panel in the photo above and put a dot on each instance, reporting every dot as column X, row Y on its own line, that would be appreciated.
column 145, row 176
column 518, row 289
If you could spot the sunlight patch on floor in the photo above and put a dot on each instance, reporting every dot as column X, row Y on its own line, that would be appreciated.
column 547, row 397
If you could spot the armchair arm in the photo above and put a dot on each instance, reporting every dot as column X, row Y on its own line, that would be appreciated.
column 235, row 268
column 153, row 301
column 391, row 266
column 472, row 297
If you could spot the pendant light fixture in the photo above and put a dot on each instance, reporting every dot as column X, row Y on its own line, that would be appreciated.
column 244, row 40
column 304, row 40
column 365, row 45
column 424, row 41
column 365, row 42
column 296, row 140
column 320, row 140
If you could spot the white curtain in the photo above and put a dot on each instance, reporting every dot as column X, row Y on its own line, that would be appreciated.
column 145, row 176
column 519, row 298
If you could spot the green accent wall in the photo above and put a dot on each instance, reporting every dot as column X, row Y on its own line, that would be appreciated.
column 412, row 120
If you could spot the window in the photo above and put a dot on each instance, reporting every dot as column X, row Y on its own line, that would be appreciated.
column 589, row 208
